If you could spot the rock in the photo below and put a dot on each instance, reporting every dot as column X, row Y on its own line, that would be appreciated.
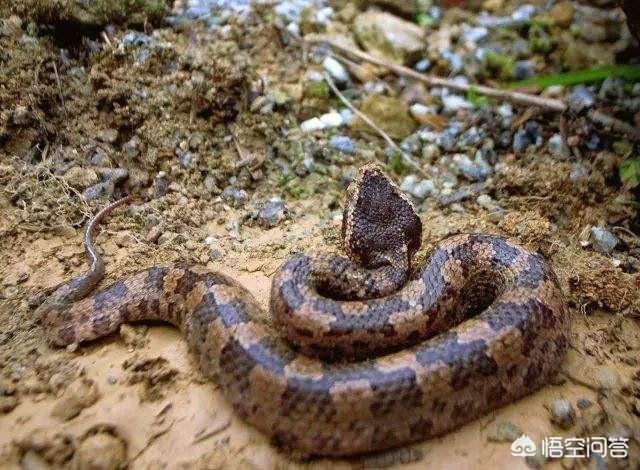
column 455, row 61
column 473, row 171
column 342, row 143
column 473, row 34
column 102, row 451
column 108, row 136
column 154, row 234
column 562, row 413
column 336, row 70
column 604, row 241
column 167, row 237
column 390, row 114
column 235, row 197
column 611, row 88
column 557, row 146
column 578, row 172
column 272, row 213
column 389, row 36
column 102, row 190
column 504, row 431
column 523, row 69
column 417, row 188
column 311, row 125
column 80, row 394
column 422, row 65
column 505, row 111
column 521, row 141
column 580, row 99
column 79, row 177
column 430, row 152
column 454, row 103
column 115, row 175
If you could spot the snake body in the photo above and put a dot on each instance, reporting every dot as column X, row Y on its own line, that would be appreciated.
column 370, row 357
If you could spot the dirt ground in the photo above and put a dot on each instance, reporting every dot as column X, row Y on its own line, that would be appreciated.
column 167, row 112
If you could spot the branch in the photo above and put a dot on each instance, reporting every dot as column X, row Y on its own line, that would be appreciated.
column 373, row 125
column 431, row 80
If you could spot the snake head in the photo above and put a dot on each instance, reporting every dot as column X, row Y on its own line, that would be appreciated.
column 379, row 224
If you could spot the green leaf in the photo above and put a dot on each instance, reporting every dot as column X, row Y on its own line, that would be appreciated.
column 475, row 99
column 630, row 172
column 628, row 72
column 396, row 163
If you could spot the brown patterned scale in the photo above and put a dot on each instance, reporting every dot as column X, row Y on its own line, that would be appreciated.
column 370, row 357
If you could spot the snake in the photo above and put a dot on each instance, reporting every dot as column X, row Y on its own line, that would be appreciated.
column 362, row 352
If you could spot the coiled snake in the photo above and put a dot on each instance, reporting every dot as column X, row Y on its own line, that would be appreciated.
column 372, row 357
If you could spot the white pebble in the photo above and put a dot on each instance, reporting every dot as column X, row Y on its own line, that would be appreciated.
column 311, row 125
column 334, row 68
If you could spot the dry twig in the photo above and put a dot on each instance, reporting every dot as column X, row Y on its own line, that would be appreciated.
column 406, row 157
column 516, row 97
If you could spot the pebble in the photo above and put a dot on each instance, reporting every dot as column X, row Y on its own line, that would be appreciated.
column 272, row 213
column 578, row 172
column 523, row 69
column 417, row 188
column 581, row 98
column 342, row 143
column 235, row 197
column 98, row 191
column 557, row 147
column 611, row 88
column 473, row 171
column 336, row 70
column 505, row 111
column 102, row 451
column 504, row 431
column 453, row 103
column 108, row 136
column 473, row 34
column 604, row 241
column 562, row 413
column 456, row 63
column 115, row 175
column 79, row 177
column 167, row 237
column 332, row 119
column 424, row 65
column 430, row 152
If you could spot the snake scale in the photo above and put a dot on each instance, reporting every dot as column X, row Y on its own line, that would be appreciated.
column 371, row 353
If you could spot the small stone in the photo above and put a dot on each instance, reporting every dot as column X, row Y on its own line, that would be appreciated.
column 604, row 241
column 235, row 197
column 505, row 111
column 455, row 61
column 115, row 175
column 311, row 125
column 102, row 190
column 79, row 177
column 389, row 36
column 453, row 103
column 102, row 451
column 523, row 69
column 521, row 141
column 430, row 152
column 108, row 136
column 417, row 188
column 578, row 172
column 557, row 146
column 562, row 413
column 132, row 147
column 80, row 394
column 581, row 98
column 422, row 65
column 336, row 70
column 468, row 169
column 611, row 88
column 504, row 431
column 272, row 213
column 154, row 234
column 332, row 119
column 342, row 143
column 389, row 113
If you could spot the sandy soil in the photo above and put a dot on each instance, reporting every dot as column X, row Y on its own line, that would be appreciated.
column 137, row 398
